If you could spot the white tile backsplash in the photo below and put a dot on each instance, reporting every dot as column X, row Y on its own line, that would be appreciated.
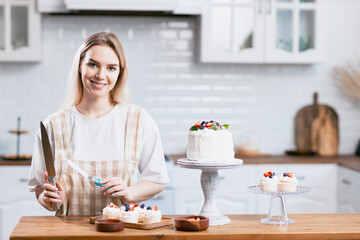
column 166, row 78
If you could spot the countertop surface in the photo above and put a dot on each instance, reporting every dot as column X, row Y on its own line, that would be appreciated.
column 306, row 226
column 349, row 161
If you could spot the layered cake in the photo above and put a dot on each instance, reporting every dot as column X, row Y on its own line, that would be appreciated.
column 209, row 141
column 269, row 182
column 288, row 183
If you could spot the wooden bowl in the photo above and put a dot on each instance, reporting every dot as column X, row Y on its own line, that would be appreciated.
column 189, row 223
column 109, row 225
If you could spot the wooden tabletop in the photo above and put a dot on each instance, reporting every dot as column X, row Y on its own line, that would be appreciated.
column 306, row 226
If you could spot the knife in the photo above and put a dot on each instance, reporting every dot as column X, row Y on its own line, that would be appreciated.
column 49, row 160
column 86, row 175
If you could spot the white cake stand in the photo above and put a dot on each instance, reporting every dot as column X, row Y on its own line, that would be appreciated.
column 277, row 211
column 209, row 181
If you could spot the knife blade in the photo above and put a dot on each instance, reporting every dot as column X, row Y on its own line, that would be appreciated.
column 86, row 175
column 49, row 160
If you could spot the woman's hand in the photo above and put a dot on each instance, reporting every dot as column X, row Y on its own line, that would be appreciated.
column 116, row 187
column 49, row 194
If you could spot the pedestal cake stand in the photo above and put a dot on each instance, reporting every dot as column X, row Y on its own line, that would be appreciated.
column 278, row 212
column 209, row 181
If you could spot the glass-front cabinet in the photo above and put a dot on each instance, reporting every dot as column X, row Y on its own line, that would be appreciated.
column 19, row 31
column 262, row 31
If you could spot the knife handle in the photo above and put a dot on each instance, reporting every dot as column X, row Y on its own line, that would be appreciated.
column 52, row 181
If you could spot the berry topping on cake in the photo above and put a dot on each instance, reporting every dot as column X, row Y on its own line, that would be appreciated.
column 149, row 208
column 290, row 175
column 142, row 206
column 155, row 208
column 269, row 174
column 111, row 205
column 209, row 125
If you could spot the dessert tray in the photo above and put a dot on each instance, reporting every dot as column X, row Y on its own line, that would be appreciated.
column 165, row 221
column 278, row 212
column 209, row 181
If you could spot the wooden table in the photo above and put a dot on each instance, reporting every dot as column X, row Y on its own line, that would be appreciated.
column 306, row 226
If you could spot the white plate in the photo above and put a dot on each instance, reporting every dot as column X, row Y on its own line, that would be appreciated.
column 187, row 163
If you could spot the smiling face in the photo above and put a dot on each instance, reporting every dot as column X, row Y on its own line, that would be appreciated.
column 99, row 71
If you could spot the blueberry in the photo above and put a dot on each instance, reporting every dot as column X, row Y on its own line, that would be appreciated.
column 127, row 208
column 217, row 123
column 270, row 176
column 126, row 205
column 203, row 123
column 212, row 121
column 149, row 208
column 142, row 205
column 201, row 127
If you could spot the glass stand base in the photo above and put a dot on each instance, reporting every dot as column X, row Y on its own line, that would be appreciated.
column 277, row 221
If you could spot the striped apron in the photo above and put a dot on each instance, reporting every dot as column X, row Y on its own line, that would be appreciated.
column 82, row 196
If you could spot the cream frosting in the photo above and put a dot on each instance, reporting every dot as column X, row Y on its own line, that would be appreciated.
column 208, row 145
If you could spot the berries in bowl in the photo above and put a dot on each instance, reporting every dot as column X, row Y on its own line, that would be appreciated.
column 191, row 223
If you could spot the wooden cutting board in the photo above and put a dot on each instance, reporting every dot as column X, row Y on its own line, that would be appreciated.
column 317, row 129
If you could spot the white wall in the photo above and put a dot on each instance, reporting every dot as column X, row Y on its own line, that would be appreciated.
column 177, row 90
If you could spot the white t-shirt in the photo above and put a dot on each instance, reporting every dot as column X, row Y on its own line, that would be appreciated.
column 103, row 139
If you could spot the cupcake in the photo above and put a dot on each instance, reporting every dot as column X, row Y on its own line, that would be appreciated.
column 152, row 215
column 111, row 211
column 288, row 183
column 129, row 215
column 269, row 182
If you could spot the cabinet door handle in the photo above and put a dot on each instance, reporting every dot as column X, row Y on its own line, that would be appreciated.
column 159, row 197
column 259, row 6
column 23, row 180
column 269, row 7
column 347, row 182
column 301, row 177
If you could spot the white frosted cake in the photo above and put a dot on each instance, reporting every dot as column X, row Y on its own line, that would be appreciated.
column 210, row 142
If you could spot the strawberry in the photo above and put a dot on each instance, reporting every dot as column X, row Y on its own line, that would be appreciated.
column 290, row 175
column 155, row 208
column 266, row 174
column 198, row 124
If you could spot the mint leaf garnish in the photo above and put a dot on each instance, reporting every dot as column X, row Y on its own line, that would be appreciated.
column 194, row 128
column 214, row 127
column 226, row 126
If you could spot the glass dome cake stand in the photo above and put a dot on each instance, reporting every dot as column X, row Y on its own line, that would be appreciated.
column 278, row 212
column 209, row 181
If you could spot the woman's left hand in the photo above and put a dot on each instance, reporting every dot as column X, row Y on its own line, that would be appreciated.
column 116, row 187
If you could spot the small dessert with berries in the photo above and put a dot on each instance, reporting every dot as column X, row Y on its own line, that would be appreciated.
column 210, row 141
column 141, row 209
column 288, row 183
column 111, row 211
column 152, row 215
column 269, row 182
column 129, row 214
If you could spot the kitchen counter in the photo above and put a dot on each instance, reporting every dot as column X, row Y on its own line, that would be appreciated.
column 306, row 226
column 349, row 161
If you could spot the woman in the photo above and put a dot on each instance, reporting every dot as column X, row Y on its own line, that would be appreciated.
column 98, row 131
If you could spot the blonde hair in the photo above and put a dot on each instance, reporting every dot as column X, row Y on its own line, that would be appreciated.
column 119, row 94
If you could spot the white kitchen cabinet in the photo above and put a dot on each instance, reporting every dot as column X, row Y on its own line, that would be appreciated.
column 20, row 31
column 322, row 180
column 349, row 190
column 16, row 200
column 263, row 31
